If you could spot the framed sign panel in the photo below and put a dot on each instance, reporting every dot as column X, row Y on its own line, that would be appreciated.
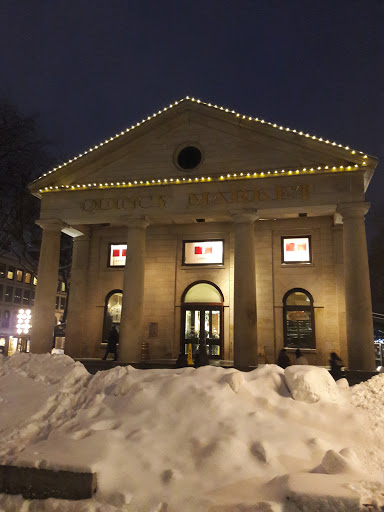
column 203, row 252
column 117, row 254
column 296, row 249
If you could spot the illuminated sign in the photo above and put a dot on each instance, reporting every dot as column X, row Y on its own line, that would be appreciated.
column 296, row 249
column 117, row 255
column 203, row 252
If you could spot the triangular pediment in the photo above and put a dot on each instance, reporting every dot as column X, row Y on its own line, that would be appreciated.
column 228, row 143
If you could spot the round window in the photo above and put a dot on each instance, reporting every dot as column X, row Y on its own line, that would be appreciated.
column 189, row 158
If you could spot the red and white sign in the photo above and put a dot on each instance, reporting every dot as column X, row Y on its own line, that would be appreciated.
column 203, row 253
column 117, row 255
column 296, row 250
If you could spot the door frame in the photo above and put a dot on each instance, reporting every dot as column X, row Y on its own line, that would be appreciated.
column 201, row 306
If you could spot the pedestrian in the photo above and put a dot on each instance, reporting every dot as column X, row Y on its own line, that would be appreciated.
column 182, row 360
column 283, row 359
column 335, row 363
column 113, row 340
column 300, row 358
column 201, row 358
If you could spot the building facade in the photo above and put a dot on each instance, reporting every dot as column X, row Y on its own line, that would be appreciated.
column 17, row 292
column 203, row 226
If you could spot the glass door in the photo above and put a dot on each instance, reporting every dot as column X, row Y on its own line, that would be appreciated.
column 203, row 324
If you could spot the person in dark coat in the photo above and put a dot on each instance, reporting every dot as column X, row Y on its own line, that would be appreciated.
column 201, row 358
column 113, row 340
column 283, row 359
column 336, row 363
column 182, row 360
column 300, row 357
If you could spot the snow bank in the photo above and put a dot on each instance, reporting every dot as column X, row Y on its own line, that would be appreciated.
column 191, row 440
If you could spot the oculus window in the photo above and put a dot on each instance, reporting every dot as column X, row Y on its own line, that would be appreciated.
column 296, row 249
column 298, row 318
column 117, row 255
column 203, row 252
column 189, row 158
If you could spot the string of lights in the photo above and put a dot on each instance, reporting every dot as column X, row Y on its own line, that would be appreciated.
column 201, row 179
column 230, row 112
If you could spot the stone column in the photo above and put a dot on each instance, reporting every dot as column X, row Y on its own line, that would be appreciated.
column 358, row 304
column 133, row 292
column 76, row 329
column 43, row 313
column 245, row 318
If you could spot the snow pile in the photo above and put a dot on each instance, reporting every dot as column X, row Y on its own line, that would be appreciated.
column 192, row 440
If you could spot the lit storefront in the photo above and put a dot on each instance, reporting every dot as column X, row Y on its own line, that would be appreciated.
column 203, row 226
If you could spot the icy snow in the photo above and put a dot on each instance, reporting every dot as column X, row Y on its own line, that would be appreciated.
column 195, row 440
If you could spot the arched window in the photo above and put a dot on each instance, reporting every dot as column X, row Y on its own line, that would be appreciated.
column 202, row 318
column 112, row 312
column 298, row 318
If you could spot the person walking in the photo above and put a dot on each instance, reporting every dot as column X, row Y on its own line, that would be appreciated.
column 113, row 340
column 283, row 360
column 336, row 363
column 300, row 357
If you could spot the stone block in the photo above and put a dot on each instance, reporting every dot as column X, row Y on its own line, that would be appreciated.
column 36, row 483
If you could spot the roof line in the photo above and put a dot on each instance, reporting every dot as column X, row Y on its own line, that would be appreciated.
column 187, row 98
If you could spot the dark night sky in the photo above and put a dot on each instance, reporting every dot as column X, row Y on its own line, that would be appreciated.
column 89, row 68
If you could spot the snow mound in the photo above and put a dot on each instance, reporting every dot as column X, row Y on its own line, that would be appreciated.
column 191, row 440
column 310, row 384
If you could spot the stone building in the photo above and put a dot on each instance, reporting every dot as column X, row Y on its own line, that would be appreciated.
column 202, row 225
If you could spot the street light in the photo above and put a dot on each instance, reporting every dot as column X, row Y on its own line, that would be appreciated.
column 23, row 327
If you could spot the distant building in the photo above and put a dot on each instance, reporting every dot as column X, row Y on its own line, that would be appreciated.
column 203, row 226
column 17, row 291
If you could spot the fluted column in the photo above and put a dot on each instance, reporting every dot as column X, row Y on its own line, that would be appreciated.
column 133, row 292
column 245, row 318
column 75, row 336
column 358, row 304
column 43, row 313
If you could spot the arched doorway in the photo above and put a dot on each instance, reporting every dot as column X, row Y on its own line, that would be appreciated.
column 112, row 312
column 202, row 318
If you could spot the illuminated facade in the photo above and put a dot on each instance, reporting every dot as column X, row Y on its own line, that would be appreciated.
column 201, row 225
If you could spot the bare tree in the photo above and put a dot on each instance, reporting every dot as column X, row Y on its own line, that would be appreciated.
column 23, row 157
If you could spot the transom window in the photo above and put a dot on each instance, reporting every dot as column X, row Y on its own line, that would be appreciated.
column 298, row 318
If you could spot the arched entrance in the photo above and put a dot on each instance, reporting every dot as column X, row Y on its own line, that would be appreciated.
column 202, row 318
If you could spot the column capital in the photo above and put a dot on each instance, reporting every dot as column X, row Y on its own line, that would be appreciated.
column 51, row 224
column 135, row 223
column 246, row 216
column 353, row 210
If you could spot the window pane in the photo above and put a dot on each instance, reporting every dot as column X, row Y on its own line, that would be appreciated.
column 2, row 270
column 299, row 329
column 296, row 250
column 19, row 275
column 11, row 273
column 17, row 297
column 203, row 292
column 192, row 325
column 57, row 302
column 28, row 277
column 62, row 302
column 34, row 280
column 5, row 320
column 8, row 294
column 1, row 291
column 26, row 296
column 298, row 299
